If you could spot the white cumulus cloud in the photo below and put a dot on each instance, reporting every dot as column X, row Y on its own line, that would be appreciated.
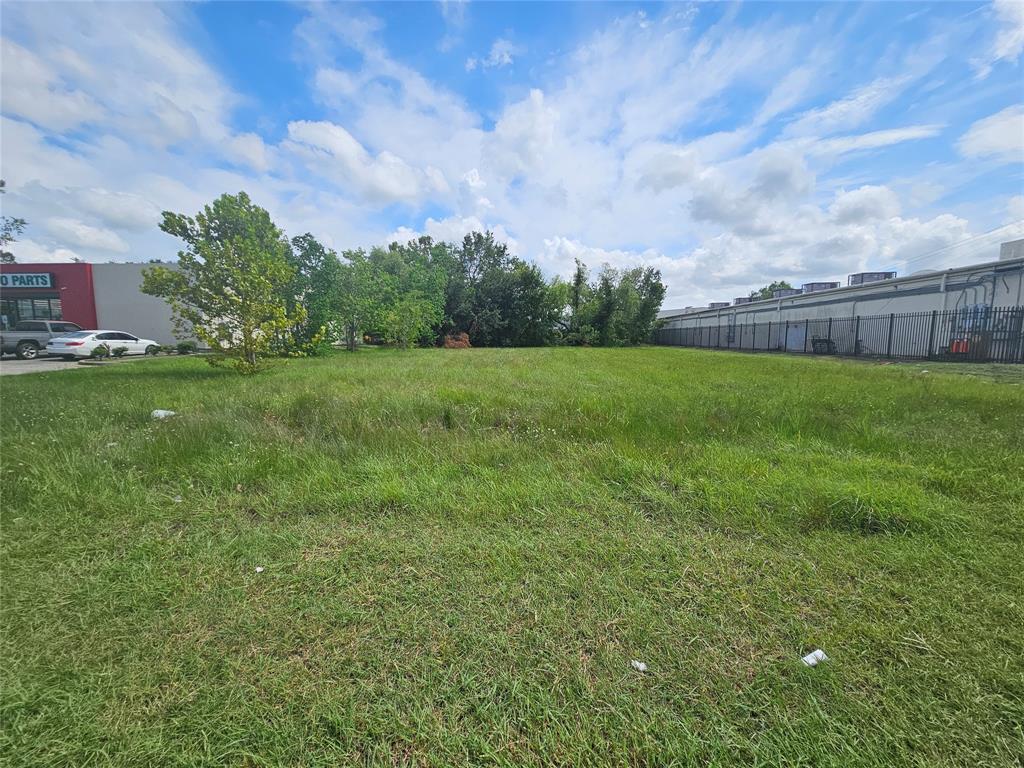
column 999, row 136
column 85, row 235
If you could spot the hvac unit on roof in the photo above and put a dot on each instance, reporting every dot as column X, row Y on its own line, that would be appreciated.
column 822, row 286
column 781, row 293
column 869, row 277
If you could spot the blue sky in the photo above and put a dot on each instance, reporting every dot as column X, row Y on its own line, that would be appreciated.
column 726, row 144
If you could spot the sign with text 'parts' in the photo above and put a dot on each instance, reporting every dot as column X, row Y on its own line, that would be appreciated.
column 26, row 280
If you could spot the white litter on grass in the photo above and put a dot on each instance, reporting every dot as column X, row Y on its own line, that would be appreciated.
column 259, row 569
column 639, row 666
column 177, row 499
column 814, row 657
column 111, row 445
column 161, row 414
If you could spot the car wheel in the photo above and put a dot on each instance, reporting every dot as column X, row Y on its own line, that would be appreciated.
column 27, row 351
column 152, row 349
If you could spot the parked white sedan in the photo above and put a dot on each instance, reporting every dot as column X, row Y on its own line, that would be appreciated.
column 84, row 343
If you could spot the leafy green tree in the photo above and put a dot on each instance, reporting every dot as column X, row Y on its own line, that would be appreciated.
column 473, row 306
column 580, row 288
column 559, row 302
column 496, row 298
column 765, row 292
column 356, row 300
column 409, row 320
column 229, row 283
column 360, row 296
column 315, row 287
column 640, row 311
column 408, row 292
column 606, row 302
column 622, row 308
column 527, row 316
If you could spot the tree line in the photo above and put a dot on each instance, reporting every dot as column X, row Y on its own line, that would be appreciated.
column 248, row 292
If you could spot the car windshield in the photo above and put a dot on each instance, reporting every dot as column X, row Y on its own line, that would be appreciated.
column 77, row 335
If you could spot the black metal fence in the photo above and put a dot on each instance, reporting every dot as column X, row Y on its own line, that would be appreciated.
column 973, row 334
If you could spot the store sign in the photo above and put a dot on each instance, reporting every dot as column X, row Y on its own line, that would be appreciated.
column 26, row 280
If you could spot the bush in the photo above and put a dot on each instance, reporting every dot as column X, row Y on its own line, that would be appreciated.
column 186, row 347
column 100, row 351
column 119, row 351
column 168, row 349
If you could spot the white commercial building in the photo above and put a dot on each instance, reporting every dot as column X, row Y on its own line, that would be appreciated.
column 873, row 316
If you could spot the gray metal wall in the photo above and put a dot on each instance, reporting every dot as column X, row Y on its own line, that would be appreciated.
column 121, row 305
column 996, row 284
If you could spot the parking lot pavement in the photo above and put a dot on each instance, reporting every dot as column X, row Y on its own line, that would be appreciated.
column 12, row 366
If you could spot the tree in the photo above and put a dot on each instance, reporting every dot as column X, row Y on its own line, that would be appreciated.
column 605, row 304
column 408, row 292
column 229, row 286
column 470, row 302
column 360, row 295
column 766, row 291
column 314, row 287
column 10, row 229
column 408, row 320
column 496, row 298
column 622, row 308
column 578, row 296
column 646, row 292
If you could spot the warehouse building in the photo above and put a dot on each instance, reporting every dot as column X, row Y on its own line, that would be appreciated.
column 107, row 296
column 976, row 311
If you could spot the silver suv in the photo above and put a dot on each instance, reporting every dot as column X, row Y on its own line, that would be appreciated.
column 28, row 339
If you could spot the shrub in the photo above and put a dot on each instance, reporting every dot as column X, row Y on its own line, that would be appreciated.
column 186, row 347
column 100, row 351
column 118, row 351
column 168, row 349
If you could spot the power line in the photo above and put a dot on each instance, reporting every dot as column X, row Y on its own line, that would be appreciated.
column 967, row 240
column 957, row 244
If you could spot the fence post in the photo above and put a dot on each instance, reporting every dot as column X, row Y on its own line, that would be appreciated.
column 768, row 339
column 785, row 338
column 888, row 344
column 856, row 337
column 931, row 334
column 830, row 329
column 807, row 324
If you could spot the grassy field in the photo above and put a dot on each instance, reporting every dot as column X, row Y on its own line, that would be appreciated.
column 464, row 550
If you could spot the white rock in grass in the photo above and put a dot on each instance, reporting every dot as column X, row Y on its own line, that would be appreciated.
column 161, row 414
column 177, row 499
column 259, row 569
column 639, row 666
column 813, row 658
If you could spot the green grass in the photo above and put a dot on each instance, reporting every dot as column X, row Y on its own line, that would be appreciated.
column 463, row 551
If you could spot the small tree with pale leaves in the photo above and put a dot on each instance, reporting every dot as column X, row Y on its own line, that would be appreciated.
column 230, row 280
